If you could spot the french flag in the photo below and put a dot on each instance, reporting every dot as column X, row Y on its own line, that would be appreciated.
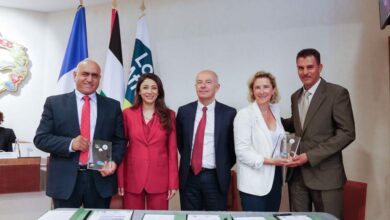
column 76, row 51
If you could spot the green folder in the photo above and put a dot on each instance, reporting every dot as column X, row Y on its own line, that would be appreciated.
column 225, row 217
column 80, row 214
column 180, row 216
column 314, row 217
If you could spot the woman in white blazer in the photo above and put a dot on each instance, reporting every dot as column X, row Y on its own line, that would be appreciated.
column 257, row 129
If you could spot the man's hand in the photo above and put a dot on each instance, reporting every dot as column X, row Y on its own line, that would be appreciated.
column 298, row 160
column 108, row 168
column 80, row 143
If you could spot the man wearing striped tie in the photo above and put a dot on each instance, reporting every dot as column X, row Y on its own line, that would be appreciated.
column 322, row 116
column 69, row 123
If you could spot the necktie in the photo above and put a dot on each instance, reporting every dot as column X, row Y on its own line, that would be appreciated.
column 197, row 151
column 85, row 127
column 304, row 105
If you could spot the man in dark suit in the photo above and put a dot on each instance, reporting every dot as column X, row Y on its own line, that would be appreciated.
column 7, row 136
column 206, row 146
column 69, row 124
column 322, row 116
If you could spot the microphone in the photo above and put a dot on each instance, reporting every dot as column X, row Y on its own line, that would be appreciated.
column 17, row 146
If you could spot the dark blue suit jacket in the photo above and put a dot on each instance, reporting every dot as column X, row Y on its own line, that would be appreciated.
column 225, row 157
column 59, row 125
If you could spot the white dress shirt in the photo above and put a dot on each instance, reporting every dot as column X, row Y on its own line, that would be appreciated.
column 208, row 158
column 276, row 137
column 311, row 91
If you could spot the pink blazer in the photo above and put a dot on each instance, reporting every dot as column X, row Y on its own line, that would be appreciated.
column 149, row 163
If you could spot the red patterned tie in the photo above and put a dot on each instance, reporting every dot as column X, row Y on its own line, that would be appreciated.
column 197, row 152
column 85, row 127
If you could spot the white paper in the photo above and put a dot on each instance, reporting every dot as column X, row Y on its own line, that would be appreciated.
column 203, row 217
column 57, row 215
column 110, row 215
column 8, row 155
column 294, row 217
column 249, row 218
column 158, row 217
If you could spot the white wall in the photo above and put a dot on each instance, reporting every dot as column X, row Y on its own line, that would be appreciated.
column 22, row 109
column 234, row 38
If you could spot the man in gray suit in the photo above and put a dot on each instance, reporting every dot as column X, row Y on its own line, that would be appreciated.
column 322, row 116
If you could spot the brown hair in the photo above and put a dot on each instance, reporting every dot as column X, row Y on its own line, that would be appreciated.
column 161, row 108
column 262, row 74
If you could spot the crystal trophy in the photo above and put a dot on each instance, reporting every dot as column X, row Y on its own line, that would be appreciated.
column 101, row 154
column 289, row 145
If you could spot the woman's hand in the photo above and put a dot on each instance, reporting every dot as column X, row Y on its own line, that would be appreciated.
column 121, row 191
column 277, row 161
column 281, row 161
column 171, row 193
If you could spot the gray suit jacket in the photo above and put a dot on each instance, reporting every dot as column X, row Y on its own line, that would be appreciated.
column 329, row 128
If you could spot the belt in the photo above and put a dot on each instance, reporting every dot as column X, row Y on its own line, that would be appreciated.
column 83, row 167
column 208, row 169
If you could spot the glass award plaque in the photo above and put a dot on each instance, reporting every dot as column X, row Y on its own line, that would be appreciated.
column 276, row 147
column 289, row 145
column 101, row 154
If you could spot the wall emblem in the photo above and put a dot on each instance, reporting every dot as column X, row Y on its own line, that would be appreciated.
column 14, row 64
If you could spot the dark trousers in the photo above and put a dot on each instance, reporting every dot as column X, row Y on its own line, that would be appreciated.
column 303, row 198
column 84, row 193
column 266, row 203
column 202, row 192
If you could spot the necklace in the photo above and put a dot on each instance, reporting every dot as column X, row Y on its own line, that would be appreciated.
column 147, row 115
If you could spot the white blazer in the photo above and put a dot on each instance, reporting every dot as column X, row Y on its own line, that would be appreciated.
column 253, row 143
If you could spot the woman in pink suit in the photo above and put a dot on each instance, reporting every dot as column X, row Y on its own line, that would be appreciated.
column 148, row 175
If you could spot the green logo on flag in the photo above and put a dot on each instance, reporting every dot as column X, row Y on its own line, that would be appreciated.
column 141, row 63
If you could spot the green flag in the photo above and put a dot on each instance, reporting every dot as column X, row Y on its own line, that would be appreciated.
column 141, row 62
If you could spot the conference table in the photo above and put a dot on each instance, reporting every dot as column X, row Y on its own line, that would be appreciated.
column 138, row 214
column 64, row 213
column 20, row 174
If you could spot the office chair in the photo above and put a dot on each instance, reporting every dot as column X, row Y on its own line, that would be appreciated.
column 355, row 200
column 233, row 194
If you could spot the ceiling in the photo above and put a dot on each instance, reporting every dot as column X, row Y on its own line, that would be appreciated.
column 48, row 5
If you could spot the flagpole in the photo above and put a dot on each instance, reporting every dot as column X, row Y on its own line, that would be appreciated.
column 142, row 7
column 81, row 4
column 114, row 4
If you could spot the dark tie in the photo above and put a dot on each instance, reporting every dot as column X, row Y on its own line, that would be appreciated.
column 85, row 127
column 197, row 151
